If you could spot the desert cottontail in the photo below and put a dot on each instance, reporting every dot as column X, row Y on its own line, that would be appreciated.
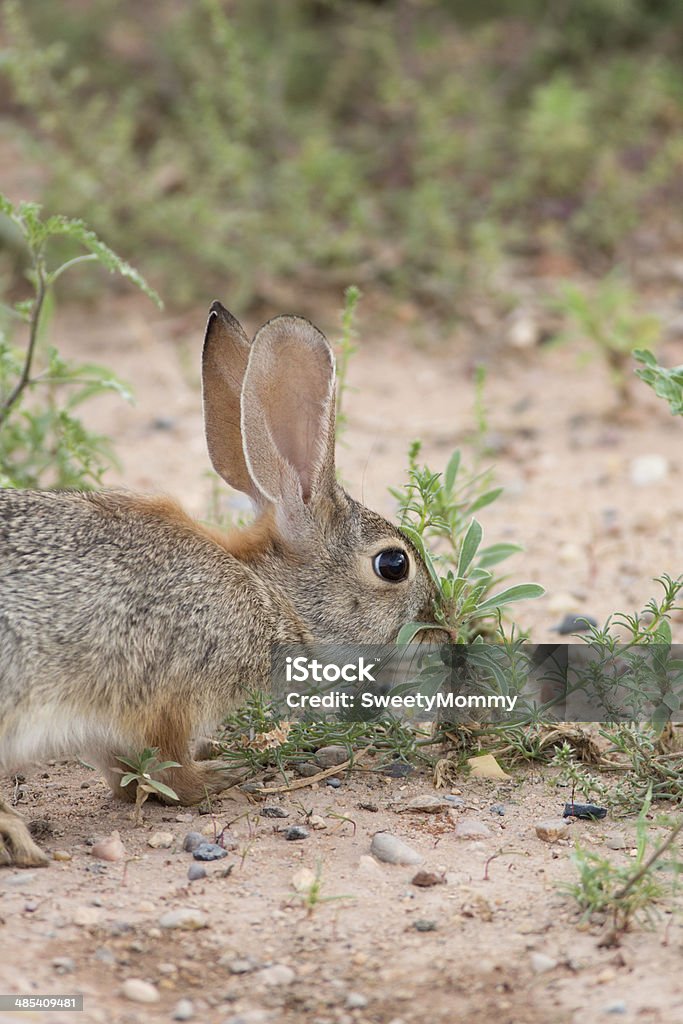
column 124, row 624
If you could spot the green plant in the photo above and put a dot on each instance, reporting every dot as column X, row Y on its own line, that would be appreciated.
column 609, row 319
column 141, row 770
column 258, row 736
column 577, row 775
column 626, row 892
column 666, row 383
column 439, row 508
column 42, row 441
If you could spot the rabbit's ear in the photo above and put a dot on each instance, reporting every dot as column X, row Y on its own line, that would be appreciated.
column 224, row 363
column 288, row 405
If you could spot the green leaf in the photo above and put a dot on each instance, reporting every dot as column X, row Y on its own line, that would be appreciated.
column 416, row 538
column 407, row 633
column 468, row 549
column 161, row 787
column 496, row 553
column 521, row 592
column 451, row 471
column 128, row 778
column 486, row 499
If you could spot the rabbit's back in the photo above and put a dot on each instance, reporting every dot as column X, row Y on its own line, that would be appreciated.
column 111, row 604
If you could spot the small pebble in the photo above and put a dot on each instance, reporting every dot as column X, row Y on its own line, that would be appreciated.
column 552, row 831
column 392, row 850
column 306, row 769
column 616, row 842
column 186, row 918
column 648, row 469
column 356, row 1001
column 240, row 966
column 425, row 879
column 139, row 991
column 425, row 804
column 209, row 851
column 195, row 872
column 329, row 757
column 455, row 801
column 86, row 917
column 588, row 812
column 104, row 955
column 192, row 840
column 160, row 840
column 317, row 821
column 424, row 926
column 278, row 974
column 471, row 828
column 273, row 812
column 295, row 832
column 62, row 855
column 498, row 809
column 64, row 965
column 572, row 623
column 617, row 1007
column 398, row 770
column 183, row 1010
column 540, row 963
column 111, row 848
column 333, row 782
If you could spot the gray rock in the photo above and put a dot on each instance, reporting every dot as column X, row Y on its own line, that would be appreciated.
column 356, row 1001
column 209, row 851
column 183, row 1010
column 329, row 757
column 192, row 840
column 295, row 832
column 617, row 1007
column 273, row 812
column 195, row 872
column 333, row 782
column 392, row 850
column 424, row 926
column 307, row 769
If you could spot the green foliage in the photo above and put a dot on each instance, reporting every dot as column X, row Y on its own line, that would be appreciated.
column 42, row 440
column 668, row 384
column 610, row 319
column 439, row 508
column 232, row 144
column 258, row 736
column 625, row 892
column 141, row 770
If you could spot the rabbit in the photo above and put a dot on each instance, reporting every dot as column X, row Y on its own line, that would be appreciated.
column 124, row 624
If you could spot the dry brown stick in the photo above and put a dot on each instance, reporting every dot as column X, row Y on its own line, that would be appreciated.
column 326, row 773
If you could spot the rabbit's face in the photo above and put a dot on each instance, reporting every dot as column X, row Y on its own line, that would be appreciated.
column 360, row 579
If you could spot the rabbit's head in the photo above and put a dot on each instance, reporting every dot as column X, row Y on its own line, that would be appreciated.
column 269, row 410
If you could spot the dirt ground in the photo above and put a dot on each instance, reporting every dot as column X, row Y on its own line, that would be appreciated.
column 593, row 537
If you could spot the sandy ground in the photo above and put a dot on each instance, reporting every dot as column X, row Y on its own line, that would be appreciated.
column 593, row 538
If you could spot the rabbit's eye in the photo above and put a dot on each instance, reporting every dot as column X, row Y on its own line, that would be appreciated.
column 391, row 565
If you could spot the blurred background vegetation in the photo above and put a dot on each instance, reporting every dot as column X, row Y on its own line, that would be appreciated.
column 412, row 146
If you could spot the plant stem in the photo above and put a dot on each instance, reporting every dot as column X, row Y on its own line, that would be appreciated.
column 654, row 856
column 24, row 379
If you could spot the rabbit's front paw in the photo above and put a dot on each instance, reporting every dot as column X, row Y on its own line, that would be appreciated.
column 16, row 846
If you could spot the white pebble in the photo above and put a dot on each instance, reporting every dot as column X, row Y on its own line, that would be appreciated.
column 139, row 991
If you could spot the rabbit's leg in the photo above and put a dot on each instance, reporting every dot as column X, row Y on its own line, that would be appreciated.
column 16, row 846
